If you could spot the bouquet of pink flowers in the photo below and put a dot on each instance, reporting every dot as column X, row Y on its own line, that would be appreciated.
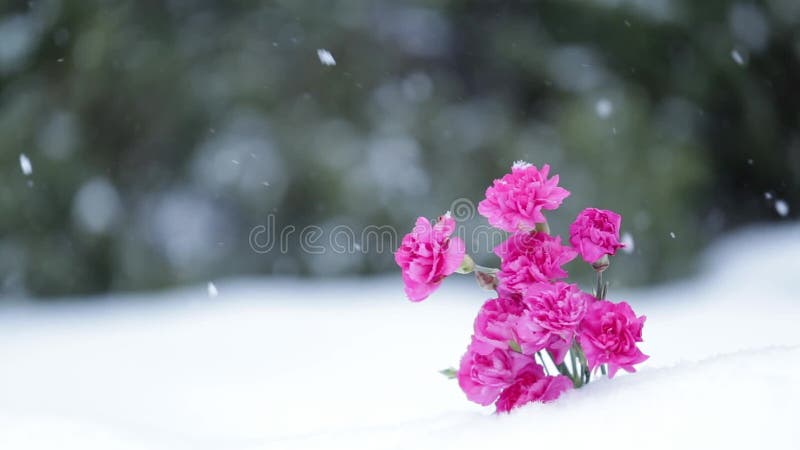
column 540, row 336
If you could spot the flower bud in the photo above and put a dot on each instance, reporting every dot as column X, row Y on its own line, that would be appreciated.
column 601, row 264
column 542, row 227
column 486, row 280
column 467, row 265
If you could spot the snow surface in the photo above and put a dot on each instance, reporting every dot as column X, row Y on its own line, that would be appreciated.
column 298, row 364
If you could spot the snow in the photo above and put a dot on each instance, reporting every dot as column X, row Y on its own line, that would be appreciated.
column 325, row 57
column 25, row 164
column 782, row 208
column 212, row 290
column 351, row 364
column 604, row 108
column 520, row 164
column 96, row 205
column 737, row 57
column 627, row 240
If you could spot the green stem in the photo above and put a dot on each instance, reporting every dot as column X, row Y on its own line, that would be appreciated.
column 586, row 368
column 587, row 374
column 562, row 368
column 599, row 290
column 578, row 379
column 544, row 365
column 484, row 269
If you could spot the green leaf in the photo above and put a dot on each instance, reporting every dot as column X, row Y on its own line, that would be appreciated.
column 514, row 346
column 449, row 372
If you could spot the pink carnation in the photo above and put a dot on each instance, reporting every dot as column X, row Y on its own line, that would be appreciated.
column 595, row 233
column 515, row 202
column 494, row 325
column 532, row 385
column 483, row 375
column 609, row 333
column 552, row 318
column 427, row 255
column 530, row 258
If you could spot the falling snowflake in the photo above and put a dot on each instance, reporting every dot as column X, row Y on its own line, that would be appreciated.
column 627, row 241
column 325, row 57
column 782, row 208
column 25, row 164
column 672, row 234
column 212, row 290
column 604, row 108
column 737, row 57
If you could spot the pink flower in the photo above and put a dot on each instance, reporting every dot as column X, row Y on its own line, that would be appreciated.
column 609, row 333
column 530, row 258
column 595, row 233
column 532, row 385
column 552, row 318
column 494, row 325
column 515, row 202
column 427, row 255
column 483, row 375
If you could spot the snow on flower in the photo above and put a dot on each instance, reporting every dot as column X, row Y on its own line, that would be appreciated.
column 515, row 202
column 530, row 258
column 532, row 385
column 609, row 333
column 427, row 255
column 554, row 311
column 595, row 233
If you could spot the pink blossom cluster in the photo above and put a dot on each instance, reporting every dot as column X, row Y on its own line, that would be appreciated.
column 541, row 335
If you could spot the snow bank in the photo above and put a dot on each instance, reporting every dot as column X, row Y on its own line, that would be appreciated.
column 279, row 364
column 733, row 401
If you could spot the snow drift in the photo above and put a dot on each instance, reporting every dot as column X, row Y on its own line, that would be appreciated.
column 277, row 364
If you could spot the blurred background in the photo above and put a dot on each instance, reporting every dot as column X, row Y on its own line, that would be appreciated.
column 141, row 143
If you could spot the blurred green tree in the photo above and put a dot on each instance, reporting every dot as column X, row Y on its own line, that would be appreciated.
column 161, row 133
